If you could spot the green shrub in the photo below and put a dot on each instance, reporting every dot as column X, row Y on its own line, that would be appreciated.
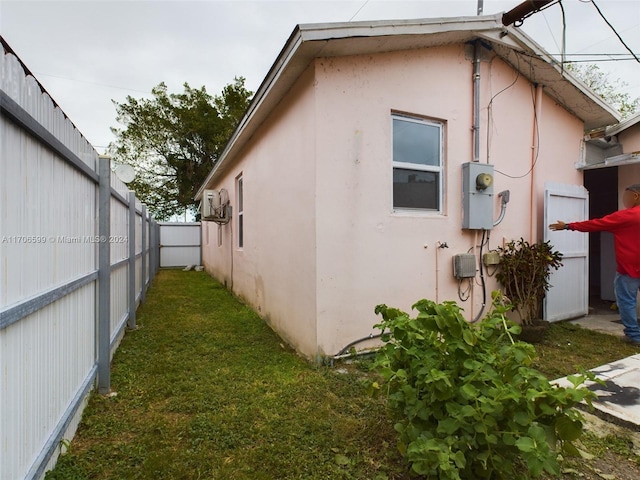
column 467, row 403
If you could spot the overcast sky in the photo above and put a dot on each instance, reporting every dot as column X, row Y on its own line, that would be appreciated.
column 87, row 53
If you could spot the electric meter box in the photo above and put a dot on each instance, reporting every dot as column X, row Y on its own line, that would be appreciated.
column 477, row 196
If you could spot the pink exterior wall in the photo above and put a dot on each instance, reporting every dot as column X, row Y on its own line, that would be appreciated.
column 323, row 245
column 630, row 139
column 629, row 174
column 369, row 254
column 275, row 271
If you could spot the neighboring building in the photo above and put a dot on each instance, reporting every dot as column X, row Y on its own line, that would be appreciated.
column 345, row 177
column 611, row 163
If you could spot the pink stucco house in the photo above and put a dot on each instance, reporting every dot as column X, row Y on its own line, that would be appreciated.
column 371, row 160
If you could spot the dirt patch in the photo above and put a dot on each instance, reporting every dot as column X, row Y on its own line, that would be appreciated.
column 610, row 466
column 606, row 463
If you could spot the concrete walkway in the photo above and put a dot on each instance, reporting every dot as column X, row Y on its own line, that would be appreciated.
column 619, row 399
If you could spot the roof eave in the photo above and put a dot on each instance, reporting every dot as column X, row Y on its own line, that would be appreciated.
column 309, row 41
column 558, row 82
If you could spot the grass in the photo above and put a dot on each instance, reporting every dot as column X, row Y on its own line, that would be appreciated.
column 205, row 390
column 569, row 348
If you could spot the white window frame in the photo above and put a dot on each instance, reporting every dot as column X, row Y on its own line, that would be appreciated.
column 240, row 212
column 420, row 168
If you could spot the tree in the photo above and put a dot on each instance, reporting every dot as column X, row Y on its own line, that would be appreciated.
column 610, row 91
column 174, row 140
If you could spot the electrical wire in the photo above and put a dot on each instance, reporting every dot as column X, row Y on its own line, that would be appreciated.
column 490, row 105
column 614, row 31
column 484, row 285
column 594, row 55
column 564, row 37
column 535, row 160
column 363, row 5
column 483, row 243
column 608, row 55
column 464, row 295
column 586, row 47
column 602, row 60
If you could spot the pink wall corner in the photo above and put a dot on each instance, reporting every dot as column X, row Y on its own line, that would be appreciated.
column 275, row 270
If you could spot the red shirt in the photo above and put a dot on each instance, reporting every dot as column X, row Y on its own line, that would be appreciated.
column 625, row 226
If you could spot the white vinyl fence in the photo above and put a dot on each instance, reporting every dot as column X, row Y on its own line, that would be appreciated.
column 180, row 244
column 77, row 253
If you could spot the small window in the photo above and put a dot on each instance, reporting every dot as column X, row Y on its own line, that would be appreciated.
column 240, row 190
column 417, row 164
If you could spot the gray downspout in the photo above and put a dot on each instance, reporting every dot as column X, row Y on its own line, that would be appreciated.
column 476, row 101
column 476, row 92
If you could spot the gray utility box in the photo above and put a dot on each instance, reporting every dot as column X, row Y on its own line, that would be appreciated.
column 477, row 196
column 464, row 265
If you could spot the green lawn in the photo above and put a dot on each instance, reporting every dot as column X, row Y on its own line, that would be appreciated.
column 205, row 390
column 568, row 348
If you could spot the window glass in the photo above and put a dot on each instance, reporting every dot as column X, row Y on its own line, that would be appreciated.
column 417, row 164
column 415, row 189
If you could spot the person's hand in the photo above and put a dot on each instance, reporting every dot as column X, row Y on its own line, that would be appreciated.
column 559, row 225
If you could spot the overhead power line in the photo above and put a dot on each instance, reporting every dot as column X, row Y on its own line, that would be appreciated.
column 361, row 7
column 614, row 31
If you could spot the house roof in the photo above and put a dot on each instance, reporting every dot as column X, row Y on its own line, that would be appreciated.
column 310, row 41
column 622, row 126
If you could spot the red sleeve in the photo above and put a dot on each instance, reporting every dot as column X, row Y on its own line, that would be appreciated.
column 608, row 223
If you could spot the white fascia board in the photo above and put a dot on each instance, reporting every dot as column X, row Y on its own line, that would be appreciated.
column 622, row 126
column 283, row 59
column 427, row 26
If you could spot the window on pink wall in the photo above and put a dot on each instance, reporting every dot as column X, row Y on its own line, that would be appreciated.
column 417, row 163
column 240, row 215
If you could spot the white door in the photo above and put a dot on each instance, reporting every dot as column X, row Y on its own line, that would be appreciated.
column 568, row 296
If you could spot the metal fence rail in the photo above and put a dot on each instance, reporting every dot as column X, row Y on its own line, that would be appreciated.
column 77, row 253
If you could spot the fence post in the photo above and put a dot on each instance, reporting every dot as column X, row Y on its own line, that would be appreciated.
column 143, row 283
column 132, row 260
column 157, row 225
column 104, row 276
column 154, row 247
column 151, row 252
